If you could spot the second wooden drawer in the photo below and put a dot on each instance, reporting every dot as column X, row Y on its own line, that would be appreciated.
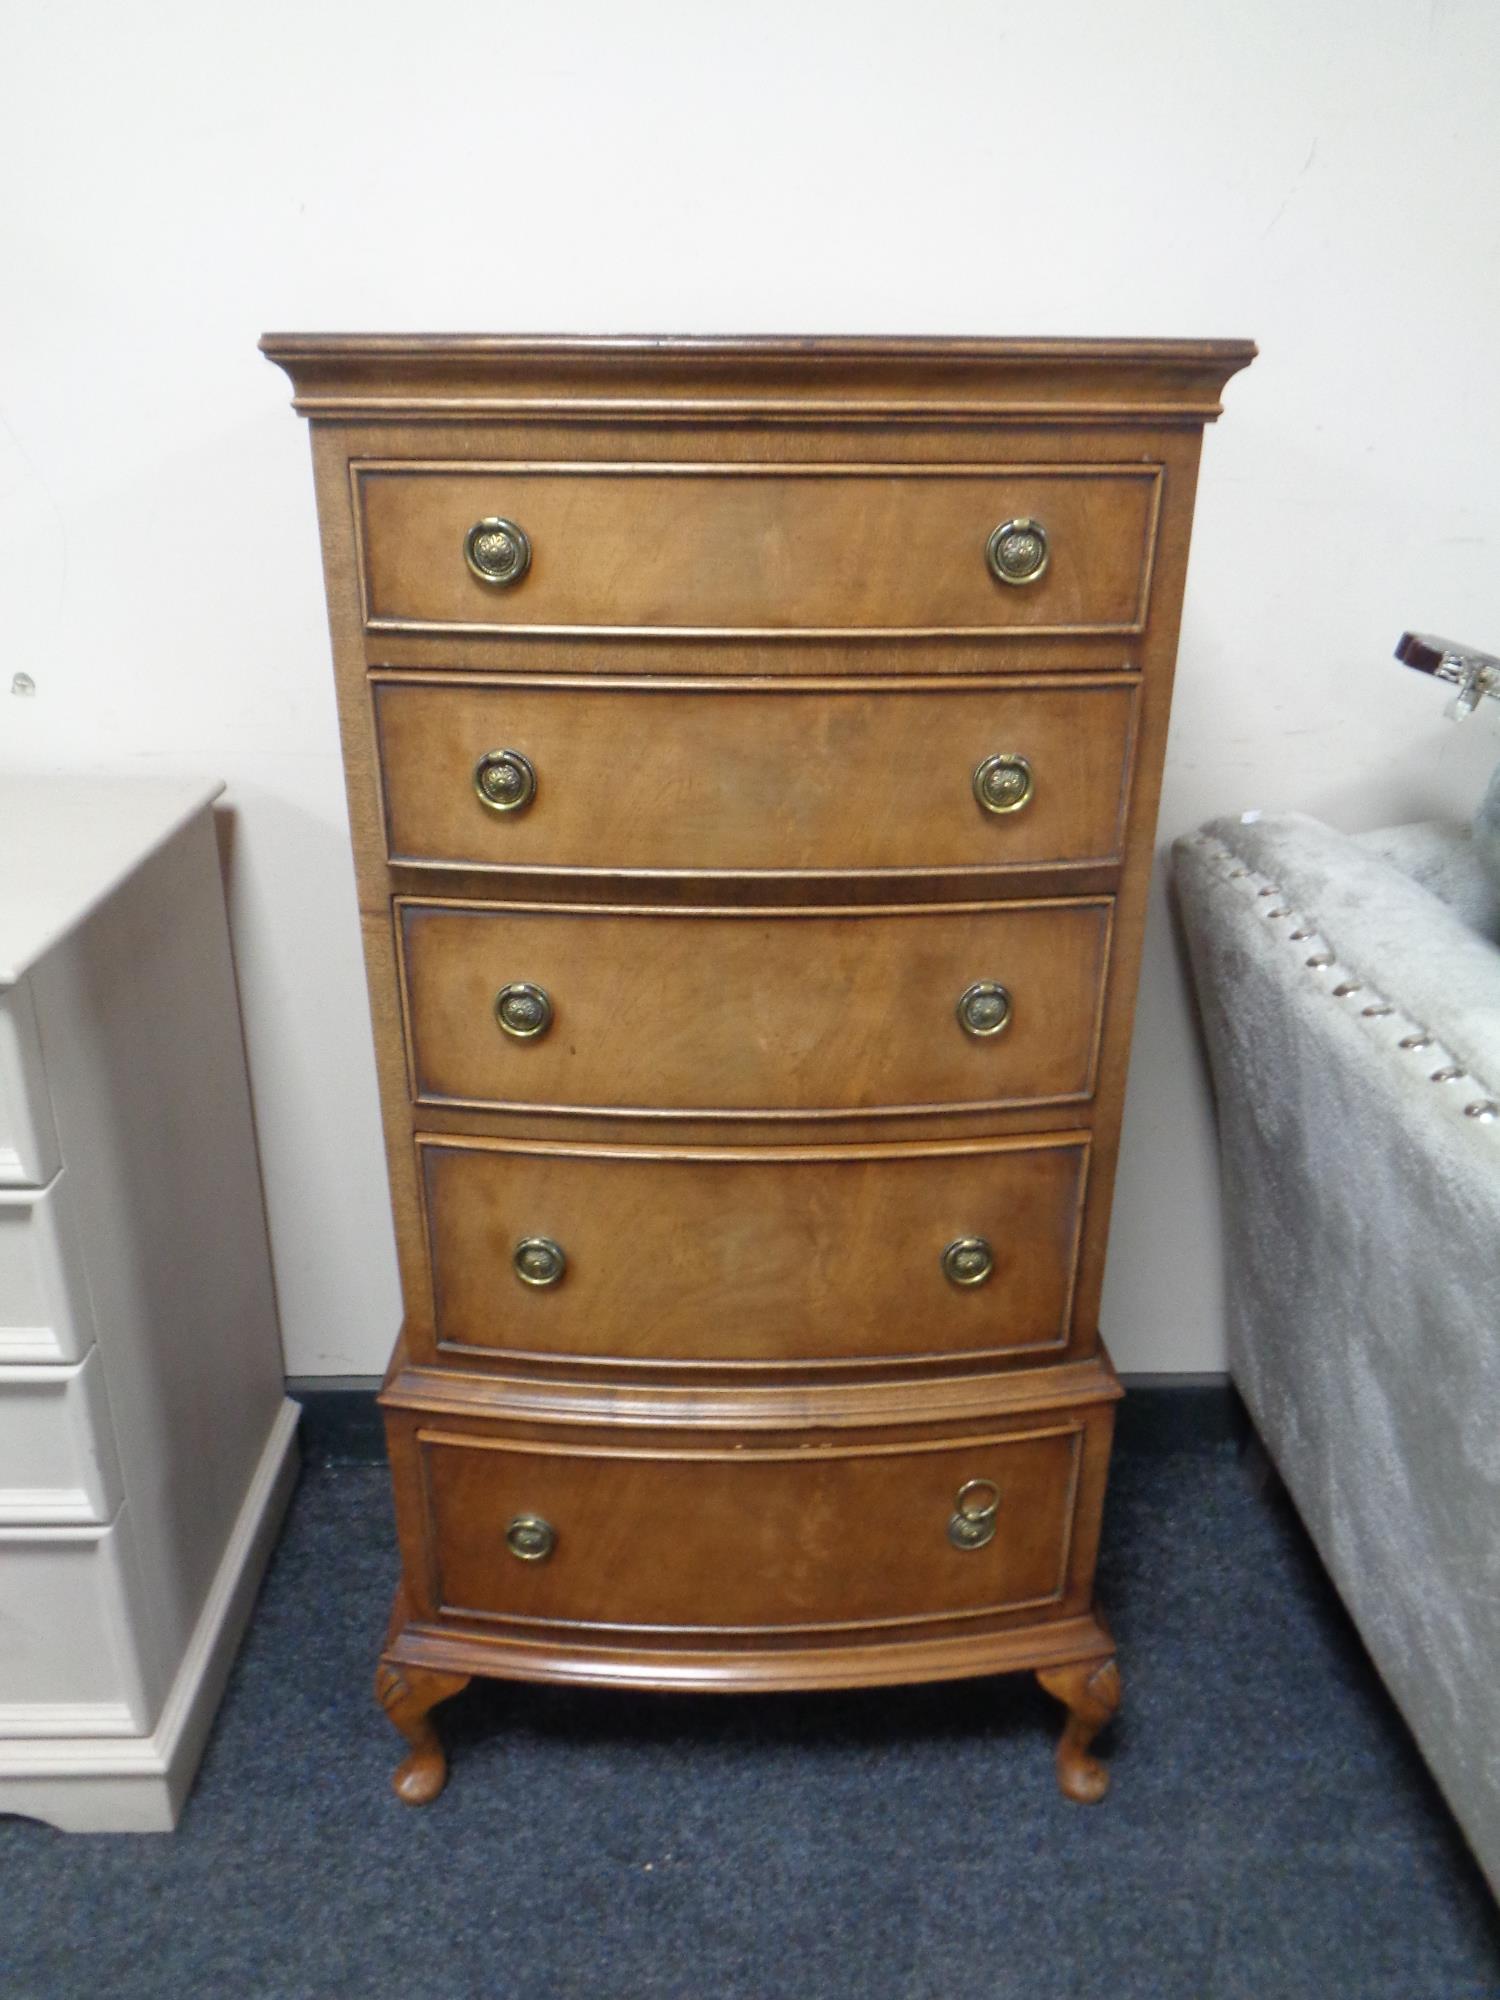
column 732, row 777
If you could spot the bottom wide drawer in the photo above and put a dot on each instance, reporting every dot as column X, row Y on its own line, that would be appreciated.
column 751, row 1536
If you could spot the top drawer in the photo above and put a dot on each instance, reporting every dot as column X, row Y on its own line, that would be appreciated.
column 756, row 549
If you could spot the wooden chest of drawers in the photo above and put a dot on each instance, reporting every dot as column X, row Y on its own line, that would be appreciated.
column 753, row 752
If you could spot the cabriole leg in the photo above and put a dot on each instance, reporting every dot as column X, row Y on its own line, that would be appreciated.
column 408, row 1695
column 1090, row 1691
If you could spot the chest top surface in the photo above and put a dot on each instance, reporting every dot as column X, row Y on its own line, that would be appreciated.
column 64, row 847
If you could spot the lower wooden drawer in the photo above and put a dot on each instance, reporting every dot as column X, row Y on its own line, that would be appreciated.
column 737, row 1535
column 753, row 1257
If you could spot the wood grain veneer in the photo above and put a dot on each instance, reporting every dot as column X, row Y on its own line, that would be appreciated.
column 754, row 1014
column 648, row 777
column 739, row 1258
column 749, row 549
column 690, row 1540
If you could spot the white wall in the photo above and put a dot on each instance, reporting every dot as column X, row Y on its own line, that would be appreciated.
column 1319, row 174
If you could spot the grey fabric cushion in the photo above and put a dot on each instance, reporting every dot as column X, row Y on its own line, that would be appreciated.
column 1448, row 863
column 1362, row 1216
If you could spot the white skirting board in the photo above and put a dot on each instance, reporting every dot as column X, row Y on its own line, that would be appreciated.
column 137, row 1784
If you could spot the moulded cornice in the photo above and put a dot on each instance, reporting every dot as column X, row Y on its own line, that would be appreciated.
column 400, row 377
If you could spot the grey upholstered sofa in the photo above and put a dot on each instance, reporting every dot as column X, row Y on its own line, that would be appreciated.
column 1350, row 994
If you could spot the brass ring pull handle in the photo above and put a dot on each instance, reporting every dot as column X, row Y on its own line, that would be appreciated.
column 537, row 1260
column 1004, row 783
column 523, row 1011
column 505, row 781
column 1018, row 551
column 497, row 551
column 530, row 1539
column 975, row 1508
column 985, row 1008
column 968, row 1260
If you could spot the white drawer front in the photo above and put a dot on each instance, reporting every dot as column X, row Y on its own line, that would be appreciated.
column 68, row 1666
column 28, row 1143
column 44, row 1300
column 57, row 1457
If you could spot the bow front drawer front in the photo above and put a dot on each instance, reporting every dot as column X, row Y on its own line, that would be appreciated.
column 754, row 1256
column 771, row 1012
column 747, row 1538
column 756, row 549
column 512, row 774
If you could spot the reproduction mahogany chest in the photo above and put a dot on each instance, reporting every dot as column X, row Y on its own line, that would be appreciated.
column 753, row 751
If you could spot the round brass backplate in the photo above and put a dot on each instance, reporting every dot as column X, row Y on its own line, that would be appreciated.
column 497, row 551
column 985, row 1008
column 968, row 1260
column 965, row 1532
column 505, row 781
column 1018, row 551
column 530, row 1539
column 537, row 1260
column 523, row 1011
column 1004, row 783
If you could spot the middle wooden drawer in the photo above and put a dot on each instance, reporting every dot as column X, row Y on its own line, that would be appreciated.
column 817, row 777
column 760, row 1013
column 754, row 1257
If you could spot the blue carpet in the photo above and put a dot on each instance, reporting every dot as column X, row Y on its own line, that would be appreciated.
column 1271, row 1832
